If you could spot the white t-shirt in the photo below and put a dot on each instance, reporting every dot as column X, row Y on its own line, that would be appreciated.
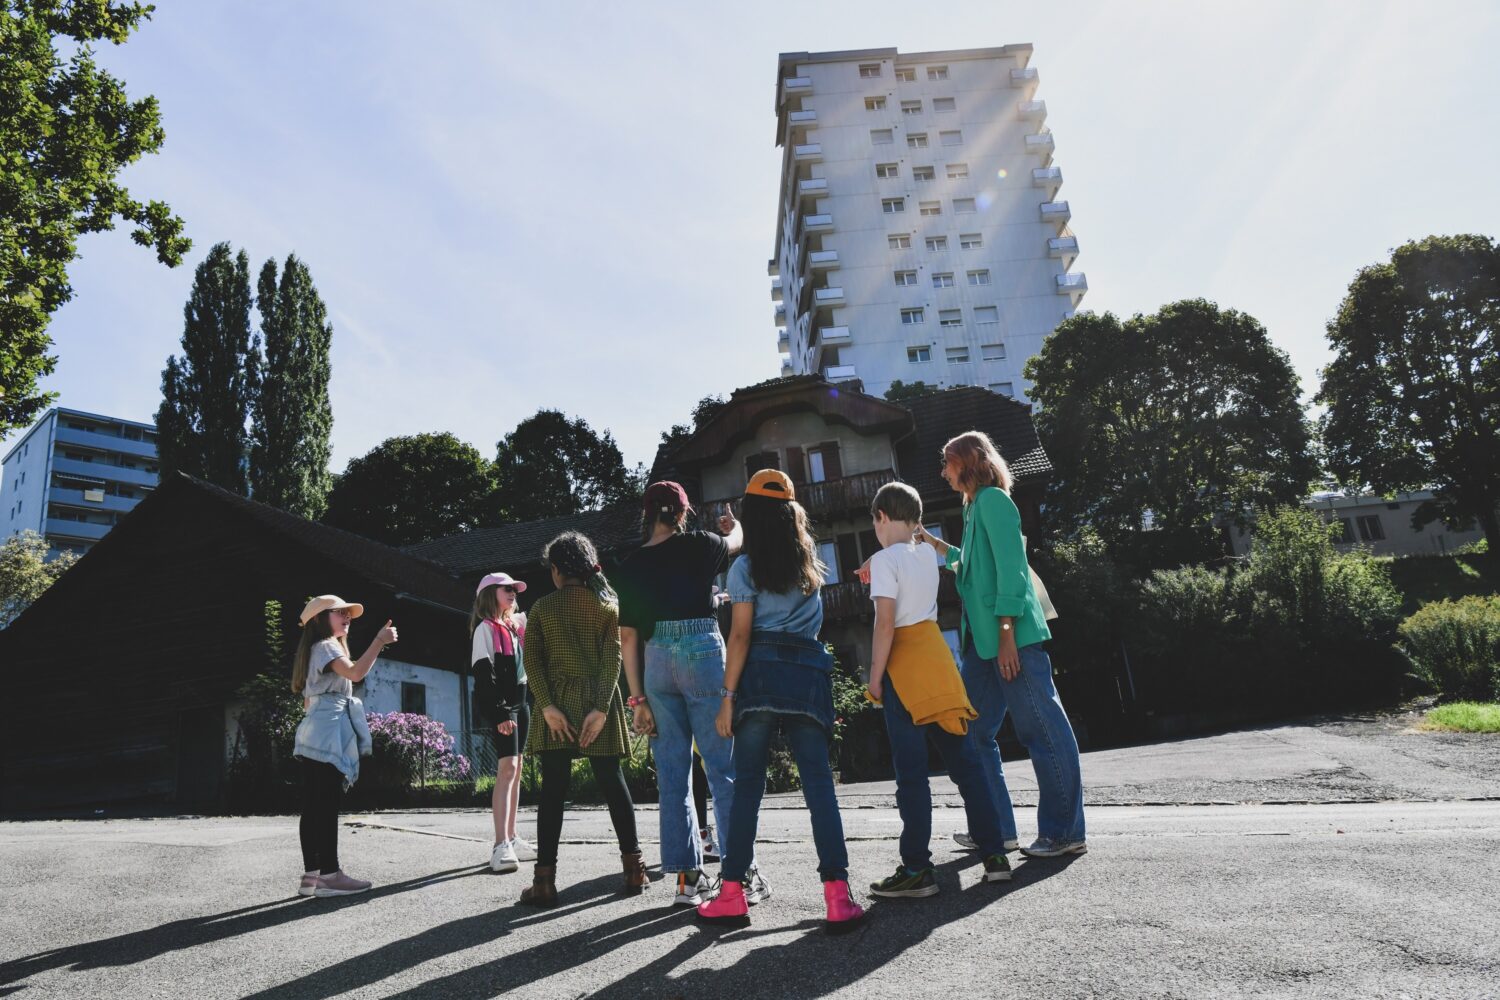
column 320, row 679
column 907, row 573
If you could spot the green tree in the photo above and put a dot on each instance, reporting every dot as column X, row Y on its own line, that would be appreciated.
column 1159, row 424
column 1413, row 392
column 900, row 392
column 292, row 418
column 207, row 393
column 410, row 489
column 67, row 129
column 706, row 409
column 25, row 572
column 550, row 466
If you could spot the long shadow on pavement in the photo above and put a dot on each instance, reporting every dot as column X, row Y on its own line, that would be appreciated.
column 190, row 932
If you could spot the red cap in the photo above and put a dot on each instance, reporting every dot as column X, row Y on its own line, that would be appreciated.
column 666, row 496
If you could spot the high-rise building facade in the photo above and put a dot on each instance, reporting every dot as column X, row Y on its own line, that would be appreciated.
column 73, row 475
column 919, row 235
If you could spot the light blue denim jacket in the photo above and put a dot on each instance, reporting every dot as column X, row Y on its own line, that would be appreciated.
column 789, row 674
column 335, row 732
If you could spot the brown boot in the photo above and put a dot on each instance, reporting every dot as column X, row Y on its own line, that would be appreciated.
column 543, row 891
column 635, row 872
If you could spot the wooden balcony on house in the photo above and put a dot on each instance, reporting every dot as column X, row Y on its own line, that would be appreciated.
column 850, row 600
column 834, row 499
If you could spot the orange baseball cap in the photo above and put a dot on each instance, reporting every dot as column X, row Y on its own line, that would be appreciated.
column 771, row 483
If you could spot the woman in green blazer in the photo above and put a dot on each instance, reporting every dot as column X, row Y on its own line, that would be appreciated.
column 1005, row 666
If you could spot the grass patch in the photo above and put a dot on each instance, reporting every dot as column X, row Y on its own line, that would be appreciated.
column 1464, row 717
column 1424, row 579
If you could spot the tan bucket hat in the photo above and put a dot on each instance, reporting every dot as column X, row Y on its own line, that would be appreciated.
column 329, row 602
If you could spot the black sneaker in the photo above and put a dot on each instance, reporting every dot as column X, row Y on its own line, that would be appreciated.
column 906, row 883
column 996, row 869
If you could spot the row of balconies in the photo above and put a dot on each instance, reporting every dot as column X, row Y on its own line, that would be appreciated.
column 802, row 86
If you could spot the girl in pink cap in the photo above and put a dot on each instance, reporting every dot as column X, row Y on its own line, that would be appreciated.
column 498, row 630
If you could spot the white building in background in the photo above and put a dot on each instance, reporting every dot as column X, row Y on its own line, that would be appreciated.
column 919, row 234
column 1380, row 524
column 73, row 475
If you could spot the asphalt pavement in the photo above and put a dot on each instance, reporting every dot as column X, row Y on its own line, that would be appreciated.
column 1352, row 858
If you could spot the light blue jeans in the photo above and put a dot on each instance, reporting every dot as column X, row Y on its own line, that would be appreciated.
column 1042, row 726
column 684, row 672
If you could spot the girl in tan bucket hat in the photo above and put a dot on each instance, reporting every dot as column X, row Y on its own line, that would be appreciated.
column 332, row 736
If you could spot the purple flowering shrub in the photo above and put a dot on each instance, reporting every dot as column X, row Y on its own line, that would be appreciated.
column 410, row 749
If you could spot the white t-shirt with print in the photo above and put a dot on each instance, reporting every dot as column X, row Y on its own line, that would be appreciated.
column 320, row 679
column 907, row 573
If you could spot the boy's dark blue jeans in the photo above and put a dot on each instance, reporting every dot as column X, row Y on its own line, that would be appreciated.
column 752, row 751
column 914, row 794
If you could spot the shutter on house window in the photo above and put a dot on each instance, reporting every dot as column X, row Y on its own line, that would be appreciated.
column 762, row 460
column 794, row 465
column 832, row 467
column 849, row 559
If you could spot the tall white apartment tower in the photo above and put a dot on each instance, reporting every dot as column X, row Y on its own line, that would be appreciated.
column 919, row 234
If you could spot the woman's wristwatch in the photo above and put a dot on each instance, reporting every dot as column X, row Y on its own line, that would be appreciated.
column 724, row 692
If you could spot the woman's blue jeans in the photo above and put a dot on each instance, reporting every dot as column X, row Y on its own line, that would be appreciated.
column 914, row 793
column 1041, row 725
column 684, row 672
column 752, row 751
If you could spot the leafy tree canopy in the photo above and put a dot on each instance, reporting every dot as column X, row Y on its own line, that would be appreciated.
column 1158, row 424
column 1413, row 392
column 410, row 489
column 67, row 129
column 25, row 572
column 550, row 466
column 900, row 392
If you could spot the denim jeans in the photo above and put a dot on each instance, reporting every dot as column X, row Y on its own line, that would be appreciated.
column 1043, row 729
column 684, row 672
column 914, row 794
column 752, row 751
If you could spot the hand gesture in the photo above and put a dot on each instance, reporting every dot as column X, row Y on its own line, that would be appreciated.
column 387, row 634
column 557, row 724
column 863, row 573
column 724, row 724
column 593, row 725
column 923, row 535
column 726, row 521
column 505, row 728
column 644, row 723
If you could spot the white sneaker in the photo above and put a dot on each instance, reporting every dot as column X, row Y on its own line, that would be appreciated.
column 524, row 847
column 1045, row 847
column 710, row 850
column 757, row 889
column 968, row 843
column 693, row 891
column 503, row 858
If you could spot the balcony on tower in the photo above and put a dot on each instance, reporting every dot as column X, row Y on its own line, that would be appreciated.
column 833, row 296
column 812, row 187
column 818, row 223
column 1025, row 79
column 795, row 86
column 1047, row 177
column 776, row 289
column 779, row 316
column 839, row 373
column 1072, row 285
column 783, row 342
column 1031, row 111
column 802, row 118
column 808, row 152
column 834, row 335
column 1063, row 248
column 1040, row 142
column 823, row 260
column 1056, row 212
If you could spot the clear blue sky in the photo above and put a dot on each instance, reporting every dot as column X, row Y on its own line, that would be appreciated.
column 571, row 205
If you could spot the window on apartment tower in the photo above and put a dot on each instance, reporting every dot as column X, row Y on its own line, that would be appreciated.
column 911, row 317
column 937, row 242
column 881, row 137
column 917, row 140
column 984, row 315
column 931, row 208
column 911, row 107
column 954, row 138
column 964, row 205
column 890, row 206
column 898, row 241
column 887, row 170
column 937, row 72
column 957, row 171
column 874, row 103
column 869, row 71
column 906, row 74
column 942, row 279
column 992, row 352
column 1004, row 389
column 917, row 355
column 979, row 277
column 922, row 174
column 906, row 278
column 943, row 105
column 950, row 317
column 971, row 241
column 958, row 355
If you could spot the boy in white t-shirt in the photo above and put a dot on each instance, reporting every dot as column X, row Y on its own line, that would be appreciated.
column 914, row 678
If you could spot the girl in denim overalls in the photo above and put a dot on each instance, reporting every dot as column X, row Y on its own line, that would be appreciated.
column 779, row 676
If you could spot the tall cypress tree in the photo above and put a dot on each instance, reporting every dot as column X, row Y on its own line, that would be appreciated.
column 292, row 417
column 208, row 391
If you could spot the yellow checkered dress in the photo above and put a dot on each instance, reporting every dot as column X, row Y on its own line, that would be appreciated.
column 573, row 663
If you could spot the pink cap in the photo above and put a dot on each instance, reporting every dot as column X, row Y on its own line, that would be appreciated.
column 500, row 579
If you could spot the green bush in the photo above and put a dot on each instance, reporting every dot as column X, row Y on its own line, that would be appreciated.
column 1189, row 641
column 1455, row 646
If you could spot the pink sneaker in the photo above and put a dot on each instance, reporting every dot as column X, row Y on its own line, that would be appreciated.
column 339, row 884
column 843, row 912
column 728, row 907
column 309, row 883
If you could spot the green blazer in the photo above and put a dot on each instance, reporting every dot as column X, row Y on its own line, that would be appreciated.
column 993, row 577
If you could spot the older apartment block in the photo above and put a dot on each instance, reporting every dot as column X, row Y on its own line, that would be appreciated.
column 919, row 234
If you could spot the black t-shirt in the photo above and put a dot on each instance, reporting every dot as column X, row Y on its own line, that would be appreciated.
column 671, row 581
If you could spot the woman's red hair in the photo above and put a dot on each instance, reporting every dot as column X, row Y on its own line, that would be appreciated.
column 979, row 462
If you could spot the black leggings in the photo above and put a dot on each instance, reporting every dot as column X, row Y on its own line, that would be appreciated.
column 322, row 788
column 557, row 768
column 700, row 792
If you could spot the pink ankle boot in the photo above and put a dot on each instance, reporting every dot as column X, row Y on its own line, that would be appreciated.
column 728, row 907
column 843, row 911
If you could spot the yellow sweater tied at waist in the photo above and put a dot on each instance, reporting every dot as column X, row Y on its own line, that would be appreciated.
column 926, row 678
